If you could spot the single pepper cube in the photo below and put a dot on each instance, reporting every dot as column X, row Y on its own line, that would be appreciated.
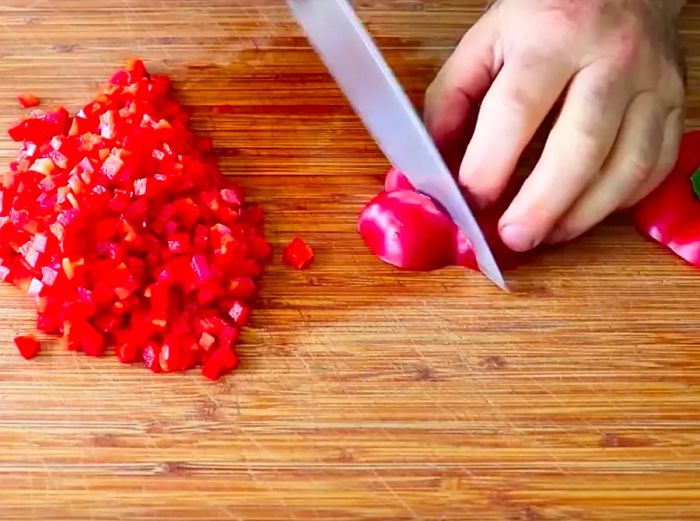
column 298, row 254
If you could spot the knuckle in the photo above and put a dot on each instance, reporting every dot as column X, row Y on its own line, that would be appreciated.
column 516, row 99
column 529, row 54
column 589, row 142
column 640, row 169
column 572, row 15
column 628, row 44
column 599, row 87
column 594, row 94
column 674, row 90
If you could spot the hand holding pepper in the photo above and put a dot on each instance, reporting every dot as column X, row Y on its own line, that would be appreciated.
column 615, row 67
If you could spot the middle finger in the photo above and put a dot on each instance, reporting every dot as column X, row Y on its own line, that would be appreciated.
column 575, row 150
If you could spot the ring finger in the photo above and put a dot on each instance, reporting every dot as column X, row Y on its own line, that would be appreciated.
column 629, row 166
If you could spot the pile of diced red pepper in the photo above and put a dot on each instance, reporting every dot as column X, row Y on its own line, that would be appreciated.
column 120, row 225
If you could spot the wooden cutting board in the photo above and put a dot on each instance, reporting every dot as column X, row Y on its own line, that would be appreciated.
column 364, row 393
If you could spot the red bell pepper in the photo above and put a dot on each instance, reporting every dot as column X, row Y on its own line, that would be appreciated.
column 670, row 215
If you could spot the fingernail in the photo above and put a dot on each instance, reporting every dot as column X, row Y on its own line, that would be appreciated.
column 517, row 238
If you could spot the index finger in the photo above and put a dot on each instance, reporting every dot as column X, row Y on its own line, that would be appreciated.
column 517, row 103
column 461, row 83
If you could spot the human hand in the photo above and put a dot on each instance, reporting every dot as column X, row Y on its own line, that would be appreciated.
column 615, row 66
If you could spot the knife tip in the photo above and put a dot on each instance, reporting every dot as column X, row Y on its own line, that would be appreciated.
column 498, row 279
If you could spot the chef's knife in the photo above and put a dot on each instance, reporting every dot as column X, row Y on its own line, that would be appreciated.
column 349, row 53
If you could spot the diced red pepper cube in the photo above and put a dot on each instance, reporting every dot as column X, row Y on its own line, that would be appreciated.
column 207, row 341
column 93, row 341
column 5, row 274
column 229, row 336
column 28, row 100
column 44, row 166
column 48, row 322
column 112, row 166
column 27, row 345
column 223, row 360
column 49, row 275
column 232, row 196
column 35, row 287
column 170, row 354
column 70, row 339
column 239, row 313
column 160, row 302
column 242, row 287
column 298, row 254
column 151, row 357
column 127, row 352
column 201, row 269
column 179, row 243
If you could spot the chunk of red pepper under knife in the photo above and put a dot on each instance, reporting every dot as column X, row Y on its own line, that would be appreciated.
column 671, row 214
column 410, row 231
column 120, row 225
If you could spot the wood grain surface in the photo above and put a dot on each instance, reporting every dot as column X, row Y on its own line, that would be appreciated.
column 364, row 393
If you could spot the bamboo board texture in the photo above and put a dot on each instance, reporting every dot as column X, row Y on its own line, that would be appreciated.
column 364, row 393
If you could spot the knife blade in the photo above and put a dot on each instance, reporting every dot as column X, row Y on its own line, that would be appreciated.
column 348, row 51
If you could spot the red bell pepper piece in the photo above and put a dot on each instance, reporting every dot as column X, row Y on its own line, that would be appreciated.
column 242, row 287
column 298, row 254
column 48, row 322
column 201, row 270
column 27, row 345
column 170, row 354
column 239, row 313
column 40, row 126
column 670, row 215
column 127, row 352
column 188, row 353
column 409, row 230
column 207, row 341
column 229, row 336
column 151, row 357
column 220, row 362
column 160, row 302
column 28, row 100
column 93, row 341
